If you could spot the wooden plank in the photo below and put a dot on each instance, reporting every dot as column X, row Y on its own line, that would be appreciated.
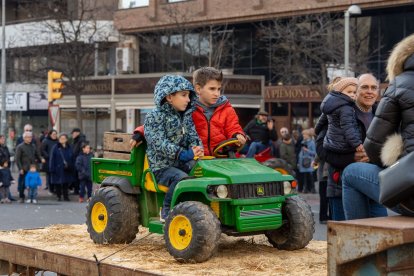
column 116, row 155
column 114, row 141
column 19, row 255
column 366, row 239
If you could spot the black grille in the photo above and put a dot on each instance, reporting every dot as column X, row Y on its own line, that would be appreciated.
column 255, row 190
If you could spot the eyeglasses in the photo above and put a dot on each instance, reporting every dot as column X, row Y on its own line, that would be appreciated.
column 366, row 87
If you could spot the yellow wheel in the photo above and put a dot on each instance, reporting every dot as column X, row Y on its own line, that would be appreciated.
column 192, row 232
column 99, row 217
column 112, row 216
column 180, row 232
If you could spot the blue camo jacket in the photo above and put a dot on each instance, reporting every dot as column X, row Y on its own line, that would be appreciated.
column 167, row 131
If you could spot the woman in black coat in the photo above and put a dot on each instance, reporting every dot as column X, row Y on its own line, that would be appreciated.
column 395, row 114
column 61, row 165
column 47, row 146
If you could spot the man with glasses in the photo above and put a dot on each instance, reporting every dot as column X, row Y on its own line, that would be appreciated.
column 28, row 128
column 366, row 96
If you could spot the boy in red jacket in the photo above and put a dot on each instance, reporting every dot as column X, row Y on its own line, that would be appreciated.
column 214, row 118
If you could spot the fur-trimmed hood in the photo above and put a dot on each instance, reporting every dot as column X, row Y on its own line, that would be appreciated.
column 392, row 149
column 401, row 58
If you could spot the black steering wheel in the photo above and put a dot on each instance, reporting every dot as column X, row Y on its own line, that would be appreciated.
column 227, row 148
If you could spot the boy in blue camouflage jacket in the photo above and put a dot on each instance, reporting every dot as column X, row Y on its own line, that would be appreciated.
column 171, row 136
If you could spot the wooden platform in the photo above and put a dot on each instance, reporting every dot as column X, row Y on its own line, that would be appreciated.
column 68, row 250
column 376, row 246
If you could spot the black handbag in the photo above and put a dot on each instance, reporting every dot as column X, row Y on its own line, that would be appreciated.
column 66, row 166
column 397, row 182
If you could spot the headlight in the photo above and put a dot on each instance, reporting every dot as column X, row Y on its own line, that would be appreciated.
column 287, row 188
column 222, row 191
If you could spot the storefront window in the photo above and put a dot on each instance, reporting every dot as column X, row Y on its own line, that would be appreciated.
column 316, row 112
column 300, row 116
column 280, row 109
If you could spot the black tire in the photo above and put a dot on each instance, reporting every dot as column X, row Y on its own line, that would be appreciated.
column 203, row 240
column 298, row 231
column 279, row 165
column 121, row 214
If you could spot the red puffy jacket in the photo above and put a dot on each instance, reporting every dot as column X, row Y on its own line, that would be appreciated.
column 223, row 125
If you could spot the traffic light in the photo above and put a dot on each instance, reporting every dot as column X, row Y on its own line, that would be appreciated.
column 54, row 85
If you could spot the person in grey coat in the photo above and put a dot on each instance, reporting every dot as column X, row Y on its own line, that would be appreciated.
column 26, row 154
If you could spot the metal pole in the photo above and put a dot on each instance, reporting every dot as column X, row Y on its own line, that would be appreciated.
column 3, row 69
column 113, row 109
column 96, row 58
column 346, row 39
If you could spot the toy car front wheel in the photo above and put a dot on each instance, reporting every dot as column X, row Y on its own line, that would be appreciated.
column 112, row 216
column 299, row 229
column 192, row 232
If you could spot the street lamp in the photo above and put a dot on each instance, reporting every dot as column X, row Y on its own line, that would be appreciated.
column 354, row 9
column 3, row 122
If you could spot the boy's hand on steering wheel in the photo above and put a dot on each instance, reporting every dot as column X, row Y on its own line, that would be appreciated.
column 198, row 151
column 241, row 138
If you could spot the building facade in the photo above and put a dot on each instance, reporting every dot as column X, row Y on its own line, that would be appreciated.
column 183, row 35
column 35, row 44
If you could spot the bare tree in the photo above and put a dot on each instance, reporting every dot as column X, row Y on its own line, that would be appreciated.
column 302, row 47
column 71, row 30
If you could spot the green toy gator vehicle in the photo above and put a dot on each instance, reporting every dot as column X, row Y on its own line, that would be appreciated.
column 222, row 195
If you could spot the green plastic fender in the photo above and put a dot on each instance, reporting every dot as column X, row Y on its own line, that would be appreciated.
column 197, row 185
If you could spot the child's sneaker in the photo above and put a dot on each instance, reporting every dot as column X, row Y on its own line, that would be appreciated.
column 2, row 201
column 34, row 201
column 6, row 200
column 29, row 201
column 80, row 199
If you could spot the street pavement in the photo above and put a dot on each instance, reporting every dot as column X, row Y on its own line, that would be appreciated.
column 50, row 211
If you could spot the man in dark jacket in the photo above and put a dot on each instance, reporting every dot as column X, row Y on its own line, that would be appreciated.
column 26, row 154
column 365, row 110
column 261, row 132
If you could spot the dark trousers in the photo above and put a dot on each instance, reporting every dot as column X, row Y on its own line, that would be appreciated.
column 75, row 185
column 21, row 185
column 299, row 178
column 323, row 201
column 336, row 208
column 62, row 188
column 308, row 182
column 170, row 177
column 85, row 184
column 49, row 183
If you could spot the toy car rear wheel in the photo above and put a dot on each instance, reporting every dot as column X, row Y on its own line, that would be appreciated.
column 280, row 165
column 192, row 232
column 299, row 229
column 112, row 216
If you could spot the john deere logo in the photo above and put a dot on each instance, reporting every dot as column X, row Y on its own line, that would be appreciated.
column 260, row 190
